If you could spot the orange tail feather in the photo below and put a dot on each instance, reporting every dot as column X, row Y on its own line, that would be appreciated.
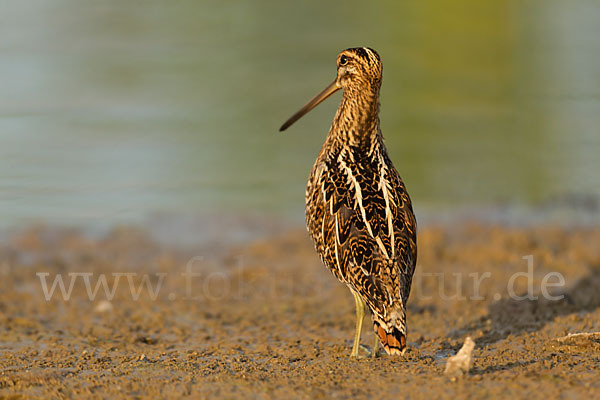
column 393, row 341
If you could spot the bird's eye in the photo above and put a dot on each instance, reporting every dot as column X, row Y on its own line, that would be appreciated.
column 343, row 60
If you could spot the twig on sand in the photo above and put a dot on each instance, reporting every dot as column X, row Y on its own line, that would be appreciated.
column 459, row 364
column 579, row 337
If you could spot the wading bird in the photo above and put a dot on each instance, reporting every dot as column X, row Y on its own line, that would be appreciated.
column 358, row 212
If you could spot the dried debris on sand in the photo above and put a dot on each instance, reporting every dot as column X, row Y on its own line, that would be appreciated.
column 460, row 363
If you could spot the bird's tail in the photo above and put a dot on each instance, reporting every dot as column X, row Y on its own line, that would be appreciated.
column 391, row 330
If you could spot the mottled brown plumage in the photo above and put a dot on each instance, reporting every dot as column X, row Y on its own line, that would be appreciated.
column 358, row 211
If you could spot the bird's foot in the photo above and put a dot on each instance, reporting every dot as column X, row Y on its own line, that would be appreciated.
column 361, row 353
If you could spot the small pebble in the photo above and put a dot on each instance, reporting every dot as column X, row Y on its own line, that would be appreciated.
column 103, row 306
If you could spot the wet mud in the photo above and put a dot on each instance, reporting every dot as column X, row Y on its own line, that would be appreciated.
column 265, row 319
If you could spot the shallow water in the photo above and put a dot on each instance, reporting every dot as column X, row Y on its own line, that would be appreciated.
column 113, row 111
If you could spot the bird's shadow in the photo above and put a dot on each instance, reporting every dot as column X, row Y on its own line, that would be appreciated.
column 512, row 316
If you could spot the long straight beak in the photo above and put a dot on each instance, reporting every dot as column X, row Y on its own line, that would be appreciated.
column 328, row 91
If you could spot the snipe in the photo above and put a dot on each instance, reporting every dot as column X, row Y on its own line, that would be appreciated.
column 358, row 212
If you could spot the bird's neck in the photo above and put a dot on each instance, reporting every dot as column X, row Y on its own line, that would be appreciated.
column 356, row 122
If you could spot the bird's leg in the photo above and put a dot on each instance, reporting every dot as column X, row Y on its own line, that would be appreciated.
column 375, row 346
column 360, row 315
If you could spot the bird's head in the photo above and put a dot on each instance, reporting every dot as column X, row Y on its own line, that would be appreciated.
column 359, row 71
column 359, row 68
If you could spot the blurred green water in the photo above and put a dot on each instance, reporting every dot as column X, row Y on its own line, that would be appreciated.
column 115, row 110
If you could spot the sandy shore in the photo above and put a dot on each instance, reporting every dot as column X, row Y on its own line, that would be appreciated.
column 267, row 320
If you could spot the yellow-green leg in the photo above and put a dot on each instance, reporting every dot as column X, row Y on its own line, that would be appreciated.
column 360, row 315
column 375, row 346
